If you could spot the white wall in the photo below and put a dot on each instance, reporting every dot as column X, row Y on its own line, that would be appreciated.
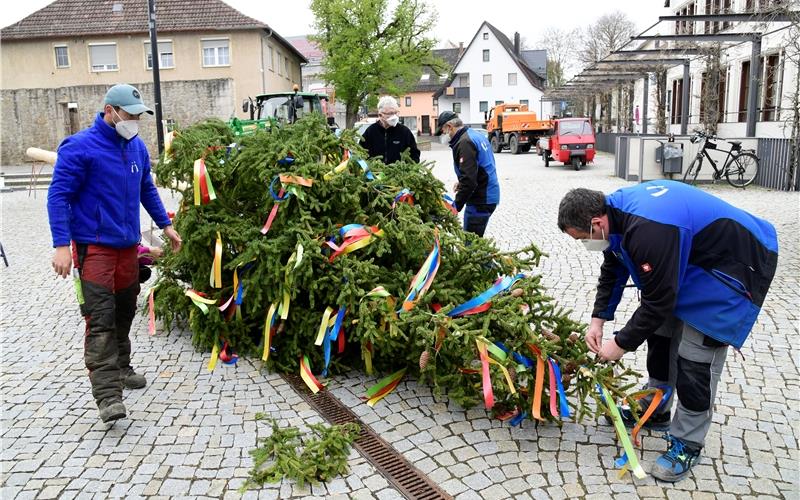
column 500, row 64
column 732, row 58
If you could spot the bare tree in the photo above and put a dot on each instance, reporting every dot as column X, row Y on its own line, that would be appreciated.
column 609, row 33
column 713, row 77
column 560, row 46
column 659, row 81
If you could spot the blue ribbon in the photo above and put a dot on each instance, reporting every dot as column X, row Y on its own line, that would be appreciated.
column 286, row 161
column 519, row 358
column 274, row 195
column 402, row 193
column 562, row 397
column 665, row 398
column 331, row 336
column 518, row 419
column 365, row 167
column 501, row 286
column 413, row 294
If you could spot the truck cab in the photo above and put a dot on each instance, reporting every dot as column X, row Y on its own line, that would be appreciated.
column 571, row 143
column 514, row 127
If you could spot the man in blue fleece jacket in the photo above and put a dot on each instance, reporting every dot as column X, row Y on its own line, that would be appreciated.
column 101, row 176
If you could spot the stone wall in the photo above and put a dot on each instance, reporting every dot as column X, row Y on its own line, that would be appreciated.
column 41, row 118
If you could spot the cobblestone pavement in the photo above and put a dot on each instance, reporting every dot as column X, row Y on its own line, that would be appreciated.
column 189, row 432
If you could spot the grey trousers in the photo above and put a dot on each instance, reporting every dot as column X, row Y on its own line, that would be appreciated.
column 681, row 357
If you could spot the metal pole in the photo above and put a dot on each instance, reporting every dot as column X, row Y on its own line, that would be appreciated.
column 645, row 98
column 151, row 5
column 685, row 99
column 755, row 84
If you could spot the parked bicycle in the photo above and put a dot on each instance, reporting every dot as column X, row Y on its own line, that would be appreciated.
column 740, row 167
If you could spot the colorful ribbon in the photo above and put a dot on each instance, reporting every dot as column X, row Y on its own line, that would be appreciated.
column 423, row 280
column 215, row 277
column 659, row 396
column 629, row 458
column 488, row 393
column 378, row 291
column 151, row 313
column 323, row 326
column 482, row 301
column 199, row 300
column 555, row 379
column 269, row 331
column 366, row 352
column 538, row 386
column 354, row 237
column 404, row 196
column 308, row 377
column 449, row 204
column 365, row 167
column 332, row 336
column 383, row 387
column 203, row 188
column 227, row 356
column 339, row 168
column 212, row 363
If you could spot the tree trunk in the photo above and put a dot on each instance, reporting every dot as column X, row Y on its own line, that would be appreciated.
column 351, row 117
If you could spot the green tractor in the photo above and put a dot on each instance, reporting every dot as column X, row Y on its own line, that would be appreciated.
column 277, row 108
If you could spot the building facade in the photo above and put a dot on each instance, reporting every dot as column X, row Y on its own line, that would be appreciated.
column 60, row 60
column 419, row 107
column 493, row 70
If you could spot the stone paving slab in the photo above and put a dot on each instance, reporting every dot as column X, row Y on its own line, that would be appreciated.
column 189, row 432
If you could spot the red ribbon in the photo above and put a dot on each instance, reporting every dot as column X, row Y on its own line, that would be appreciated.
column 272, row 213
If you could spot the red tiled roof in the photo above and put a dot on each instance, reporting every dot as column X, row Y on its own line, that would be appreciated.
column 70, row 18
column 96, row 17
column 309, row 49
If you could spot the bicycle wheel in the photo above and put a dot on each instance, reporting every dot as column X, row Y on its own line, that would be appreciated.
column 691, row 173
column 742, row 170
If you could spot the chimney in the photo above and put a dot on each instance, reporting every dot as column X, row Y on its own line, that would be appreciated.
column 516, row 43
column 460, row 49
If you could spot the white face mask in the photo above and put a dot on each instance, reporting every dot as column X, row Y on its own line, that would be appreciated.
column 127, row 129
column 393, row 120
column 595, row 245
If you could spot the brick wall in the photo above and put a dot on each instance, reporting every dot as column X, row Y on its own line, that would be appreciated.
column 40, row 117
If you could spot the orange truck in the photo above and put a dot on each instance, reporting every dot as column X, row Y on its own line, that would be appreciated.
column 512, row 126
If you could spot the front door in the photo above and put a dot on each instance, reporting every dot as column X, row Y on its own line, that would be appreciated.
column 426, row 124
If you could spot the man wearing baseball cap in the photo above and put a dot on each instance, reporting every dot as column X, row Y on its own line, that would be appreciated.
column 101, row 176
column 477, row 188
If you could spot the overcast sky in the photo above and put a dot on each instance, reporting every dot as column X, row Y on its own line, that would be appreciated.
column 458, row 19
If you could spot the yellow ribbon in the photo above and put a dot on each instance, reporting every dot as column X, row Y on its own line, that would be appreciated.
column 215, row 279
column 212, row 363
column 326, row 318
column 267, row 333
column 197, row 182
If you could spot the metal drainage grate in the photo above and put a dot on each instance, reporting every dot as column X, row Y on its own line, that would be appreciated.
column 405, row 477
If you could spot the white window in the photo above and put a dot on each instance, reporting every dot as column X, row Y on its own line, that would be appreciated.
column 216, row 52
column 524, row 102
column 487, row 80
column 486, row 36
column 463, row 80
column 280, row 57
column 286, row 66
column 166, row 59
column 512, row 79
column 272, row 59
column 408, row 101
column 485, row 55
column 62, row 56
column 425, row 77
column 456, row 107
column 103, row 57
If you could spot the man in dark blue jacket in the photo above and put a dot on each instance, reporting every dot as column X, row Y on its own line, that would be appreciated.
column 477, row 188
column 703, row 268
column 101, row 176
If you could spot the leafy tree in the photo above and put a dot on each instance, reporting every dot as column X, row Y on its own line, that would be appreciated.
column 370, row 50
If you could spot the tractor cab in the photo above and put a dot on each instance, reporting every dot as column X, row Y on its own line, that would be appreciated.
column 278, row 108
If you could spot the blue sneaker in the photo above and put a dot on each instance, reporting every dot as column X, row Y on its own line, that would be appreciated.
column 676, row 462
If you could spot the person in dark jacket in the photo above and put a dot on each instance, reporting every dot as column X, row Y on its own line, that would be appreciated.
column 477, row 188
column 387, row 138
column 703, row 268
column 101, row 176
